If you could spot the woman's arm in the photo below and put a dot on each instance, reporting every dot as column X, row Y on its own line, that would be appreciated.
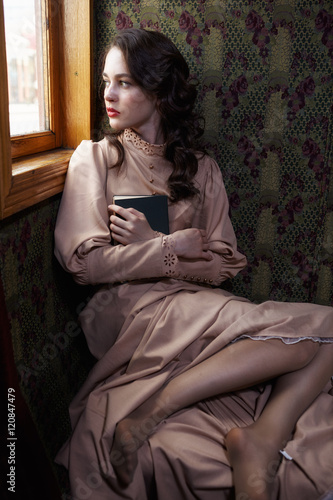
column 83, row 237
column 82, row 234
column 204, row 253
column 212, row 216
column 130, row 226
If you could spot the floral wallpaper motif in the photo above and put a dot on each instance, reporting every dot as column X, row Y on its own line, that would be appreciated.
column 266, row 79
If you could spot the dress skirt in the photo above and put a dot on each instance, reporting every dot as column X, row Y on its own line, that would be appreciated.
column 156, row 319
column 171, row 327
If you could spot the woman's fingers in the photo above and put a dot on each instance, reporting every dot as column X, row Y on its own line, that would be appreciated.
column 129, row 224
column 136, row 213
column 122, row 215
column 117, row 221
column 205, row 246
column 192, row 244
column 126, row 213
column 121, row 211
column 207, row 256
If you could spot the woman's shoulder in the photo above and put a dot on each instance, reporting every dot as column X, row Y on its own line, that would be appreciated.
column 95, row 152
column 88, row 146
column 207, row 166
column 90, row 160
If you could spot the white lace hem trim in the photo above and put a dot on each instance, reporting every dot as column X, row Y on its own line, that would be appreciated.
column 286, row 340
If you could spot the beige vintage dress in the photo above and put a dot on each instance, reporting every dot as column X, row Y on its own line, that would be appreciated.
column 156, row 315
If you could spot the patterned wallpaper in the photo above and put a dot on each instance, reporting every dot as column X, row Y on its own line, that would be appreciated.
column 266, row 72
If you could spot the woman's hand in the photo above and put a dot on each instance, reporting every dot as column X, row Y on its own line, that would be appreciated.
column 132, row 227
column 191, row 244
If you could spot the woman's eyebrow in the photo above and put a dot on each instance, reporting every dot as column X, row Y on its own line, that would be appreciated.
column 119, row 75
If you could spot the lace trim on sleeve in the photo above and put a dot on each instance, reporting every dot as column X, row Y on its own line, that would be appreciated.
column 170, row 259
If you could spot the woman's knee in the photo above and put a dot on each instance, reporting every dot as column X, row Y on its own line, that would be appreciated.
column 307, row 350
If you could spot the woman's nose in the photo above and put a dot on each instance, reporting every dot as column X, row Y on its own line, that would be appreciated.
column 110, row 94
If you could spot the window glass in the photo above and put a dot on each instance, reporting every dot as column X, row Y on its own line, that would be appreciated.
column 25, row 31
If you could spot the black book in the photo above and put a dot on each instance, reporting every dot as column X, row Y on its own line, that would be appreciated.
column 155, row 208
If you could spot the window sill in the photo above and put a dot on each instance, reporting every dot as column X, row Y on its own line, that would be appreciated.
column 36, row 178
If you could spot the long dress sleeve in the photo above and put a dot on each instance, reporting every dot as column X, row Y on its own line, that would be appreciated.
column 212, row 214
column 82, row 234
column 83, row 239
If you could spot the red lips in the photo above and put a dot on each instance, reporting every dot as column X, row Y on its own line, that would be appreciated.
column 112, row 112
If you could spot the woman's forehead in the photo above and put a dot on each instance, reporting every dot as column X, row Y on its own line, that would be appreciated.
column 115, row 60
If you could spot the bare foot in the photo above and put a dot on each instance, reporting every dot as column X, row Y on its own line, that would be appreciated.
column 255, row 461
column 128, row 438
column 124, row 452
column 132, row 432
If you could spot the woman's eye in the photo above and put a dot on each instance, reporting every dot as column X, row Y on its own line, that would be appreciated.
column 123, row 83
column 106, row 83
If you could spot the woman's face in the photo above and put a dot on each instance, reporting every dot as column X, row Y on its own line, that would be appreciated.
column 126, row 104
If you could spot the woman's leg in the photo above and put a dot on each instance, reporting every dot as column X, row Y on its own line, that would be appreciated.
column 254, row 451
column 240, row 365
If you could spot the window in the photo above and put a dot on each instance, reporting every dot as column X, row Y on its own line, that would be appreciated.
column 34, row 162
column 27, row 44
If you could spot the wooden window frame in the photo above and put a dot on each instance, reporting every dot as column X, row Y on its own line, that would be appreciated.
column 27, row 144
column 38, row 175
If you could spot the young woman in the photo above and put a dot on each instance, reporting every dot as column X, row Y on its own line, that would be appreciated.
column 177, row 357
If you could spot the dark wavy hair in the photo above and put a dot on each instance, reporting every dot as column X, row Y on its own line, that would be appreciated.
column 157, row 66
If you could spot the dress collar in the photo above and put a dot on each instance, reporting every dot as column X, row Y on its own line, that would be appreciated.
column 146, row 147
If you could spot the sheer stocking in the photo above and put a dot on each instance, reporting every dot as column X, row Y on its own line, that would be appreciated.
column 302, row 368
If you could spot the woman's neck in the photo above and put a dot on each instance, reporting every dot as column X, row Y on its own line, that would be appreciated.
column 152, row 136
